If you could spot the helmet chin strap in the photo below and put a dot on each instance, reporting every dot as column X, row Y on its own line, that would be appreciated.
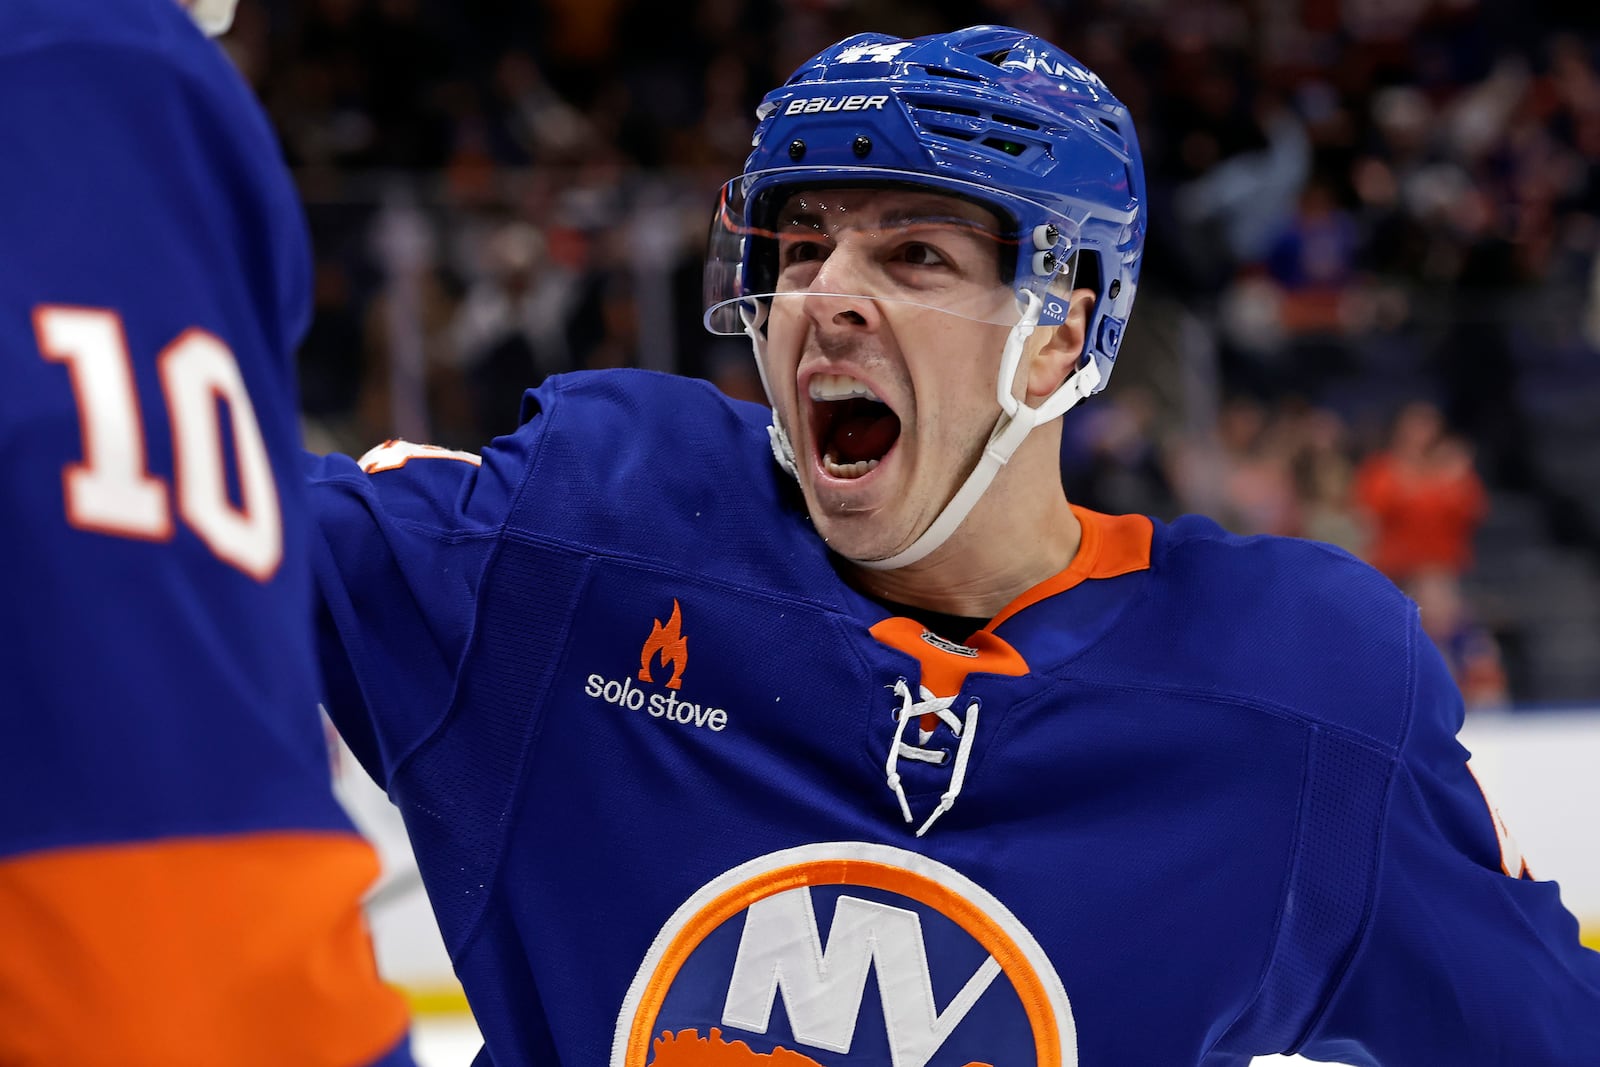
column 782, row 450
column 1016, row 421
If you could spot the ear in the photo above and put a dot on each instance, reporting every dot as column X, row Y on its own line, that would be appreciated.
column 1058, row 356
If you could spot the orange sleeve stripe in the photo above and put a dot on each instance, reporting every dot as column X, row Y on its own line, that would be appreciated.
column 250, row 951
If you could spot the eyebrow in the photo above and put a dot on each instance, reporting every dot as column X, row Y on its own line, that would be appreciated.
column 893, row 217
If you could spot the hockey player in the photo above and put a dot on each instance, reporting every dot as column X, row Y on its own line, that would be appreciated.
column 871, row 748
column 178, row 885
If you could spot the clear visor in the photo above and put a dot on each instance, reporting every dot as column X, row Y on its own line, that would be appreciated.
column 888, row 237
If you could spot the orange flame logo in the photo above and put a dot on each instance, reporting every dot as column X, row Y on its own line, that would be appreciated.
column 669, row 643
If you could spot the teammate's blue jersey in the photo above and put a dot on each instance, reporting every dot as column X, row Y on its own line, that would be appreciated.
column 177, row 882
column 1195, row 799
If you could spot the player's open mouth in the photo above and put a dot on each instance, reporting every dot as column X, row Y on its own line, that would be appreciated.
column 854, row 430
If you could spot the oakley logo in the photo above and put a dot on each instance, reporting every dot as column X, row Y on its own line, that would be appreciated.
column 811, row 105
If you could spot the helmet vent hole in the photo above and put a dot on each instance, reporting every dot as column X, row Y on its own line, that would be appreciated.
column 1010, row 148
column 1020, row 123
column 947, row 109
column 996, row 58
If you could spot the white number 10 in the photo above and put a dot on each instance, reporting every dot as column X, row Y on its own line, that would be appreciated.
column 112, row 490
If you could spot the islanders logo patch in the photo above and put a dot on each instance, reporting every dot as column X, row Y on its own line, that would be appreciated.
column 844, row 953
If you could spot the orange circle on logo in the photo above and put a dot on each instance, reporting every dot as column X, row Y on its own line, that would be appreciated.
column 1013, row 961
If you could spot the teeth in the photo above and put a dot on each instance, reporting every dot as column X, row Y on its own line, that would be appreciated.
column 839, row 387
column 847, row 470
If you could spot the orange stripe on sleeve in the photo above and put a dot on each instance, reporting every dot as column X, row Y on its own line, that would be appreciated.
column 250, row 951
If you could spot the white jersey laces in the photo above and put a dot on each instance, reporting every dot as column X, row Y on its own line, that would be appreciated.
column 964, row 730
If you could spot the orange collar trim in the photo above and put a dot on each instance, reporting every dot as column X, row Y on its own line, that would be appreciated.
column 945, row 664
column 1112, row 545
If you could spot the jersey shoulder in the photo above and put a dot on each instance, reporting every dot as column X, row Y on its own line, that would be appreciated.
column 89, row 44
column 1270, row 564
column 665, row 468
column 684, row 430
column 1284, row 623
column 129, row 131
column 160, row 26
column 619, row 450
column 652, row 402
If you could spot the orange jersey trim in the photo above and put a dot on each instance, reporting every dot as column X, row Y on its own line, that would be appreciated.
column 397, row 452
column 945, row 666
column 1112, row 545
column 250, row 951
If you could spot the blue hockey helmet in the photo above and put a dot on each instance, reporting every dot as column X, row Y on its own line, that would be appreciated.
column 989, row 114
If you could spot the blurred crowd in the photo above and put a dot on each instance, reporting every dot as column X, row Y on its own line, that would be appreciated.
column 1370, row 308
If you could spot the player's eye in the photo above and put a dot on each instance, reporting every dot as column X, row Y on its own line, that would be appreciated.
column 799, row 249
column 920, row 254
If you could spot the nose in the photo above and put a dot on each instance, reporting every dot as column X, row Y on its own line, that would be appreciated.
column 839, row 294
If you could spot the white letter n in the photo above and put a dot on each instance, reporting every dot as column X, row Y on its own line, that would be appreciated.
column 781, row 949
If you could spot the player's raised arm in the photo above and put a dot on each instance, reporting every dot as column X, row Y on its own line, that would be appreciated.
column 1466, row 959
column 178, row 884
column 402, row 537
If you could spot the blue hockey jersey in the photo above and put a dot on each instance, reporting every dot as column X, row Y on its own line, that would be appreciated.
column 682, row 795
column 178, row 884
